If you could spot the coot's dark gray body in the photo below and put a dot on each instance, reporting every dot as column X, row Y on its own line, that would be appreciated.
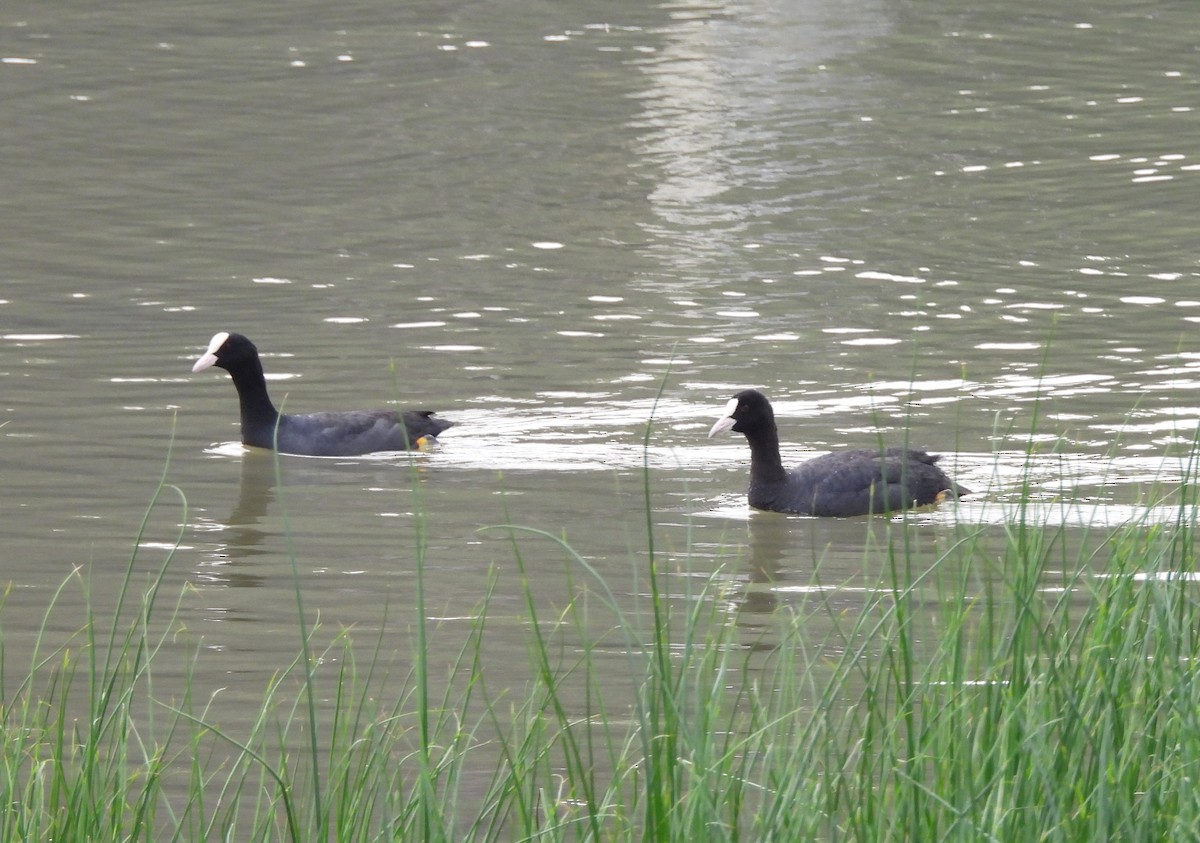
column 845, row 483
column 311, row 434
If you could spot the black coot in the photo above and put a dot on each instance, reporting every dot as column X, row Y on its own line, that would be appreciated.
column 312, row 434
column 844, row 483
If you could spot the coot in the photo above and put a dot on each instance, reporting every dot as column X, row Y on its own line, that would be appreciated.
column 312, row 434
column 844, row 483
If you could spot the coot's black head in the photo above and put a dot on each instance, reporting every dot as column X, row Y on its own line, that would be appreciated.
column 746, row 412
column 226, row 350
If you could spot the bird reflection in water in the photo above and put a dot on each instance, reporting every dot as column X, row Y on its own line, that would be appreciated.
column 798, row 560
column 243, row 534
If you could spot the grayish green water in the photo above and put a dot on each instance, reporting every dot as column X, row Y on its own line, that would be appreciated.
column 976, row 226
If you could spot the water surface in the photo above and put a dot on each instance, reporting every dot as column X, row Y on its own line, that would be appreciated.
column 969, row 229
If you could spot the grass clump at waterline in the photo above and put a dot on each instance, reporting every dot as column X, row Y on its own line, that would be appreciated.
column 993, row 690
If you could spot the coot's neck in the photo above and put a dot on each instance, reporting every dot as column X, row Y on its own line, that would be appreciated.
column 765, row 463
column 257, row 410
